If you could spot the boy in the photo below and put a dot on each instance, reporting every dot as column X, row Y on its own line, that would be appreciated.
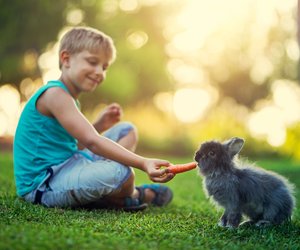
column 51, row 170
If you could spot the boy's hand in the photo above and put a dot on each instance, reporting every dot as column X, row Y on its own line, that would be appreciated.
column 156, row 174
column 108, row 117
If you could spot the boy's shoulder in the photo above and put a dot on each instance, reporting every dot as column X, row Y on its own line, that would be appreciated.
column 52, row 97
column 55, row 95
column 54, row 87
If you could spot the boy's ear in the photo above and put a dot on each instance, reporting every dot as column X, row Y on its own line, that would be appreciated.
column 64, row 58
column 234, row 146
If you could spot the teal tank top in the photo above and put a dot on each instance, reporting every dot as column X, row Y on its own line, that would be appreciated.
column 40, row 142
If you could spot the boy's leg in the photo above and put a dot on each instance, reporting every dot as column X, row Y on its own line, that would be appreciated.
column 80, row 181
column 150, row 193
column 130, row 140
column 90, row 179
column 83, row 180
column 126, row 135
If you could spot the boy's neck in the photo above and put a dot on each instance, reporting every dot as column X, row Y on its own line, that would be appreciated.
column 72, row 89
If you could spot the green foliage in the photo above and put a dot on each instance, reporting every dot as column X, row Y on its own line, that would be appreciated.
column 189, row 222
column 232, row 72
column 292, row 145
column 27, row 26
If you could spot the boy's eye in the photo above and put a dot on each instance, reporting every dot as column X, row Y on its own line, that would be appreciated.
column 93, row 63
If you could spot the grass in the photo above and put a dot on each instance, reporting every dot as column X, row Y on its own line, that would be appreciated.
column 189, row 222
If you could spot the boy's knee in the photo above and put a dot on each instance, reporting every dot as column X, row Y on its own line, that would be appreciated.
column 126, row 127
column 120, row 130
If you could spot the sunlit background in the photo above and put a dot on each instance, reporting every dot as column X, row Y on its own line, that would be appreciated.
column 232, row 67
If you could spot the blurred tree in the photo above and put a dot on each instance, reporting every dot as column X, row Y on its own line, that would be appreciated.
column 246, row 77
column 242, row 58
column 298, row 21
column 298, row 31
column 28, row 27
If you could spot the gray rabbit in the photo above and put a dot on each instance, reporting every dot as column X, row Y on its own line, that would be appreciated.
column 263, row 196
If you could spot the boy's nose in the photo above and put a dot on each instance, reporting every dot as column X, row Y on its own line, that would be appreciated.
column 99, row 70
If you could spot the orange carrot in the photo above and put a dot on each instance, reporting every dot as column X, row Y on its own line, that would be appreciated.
column 179, row 168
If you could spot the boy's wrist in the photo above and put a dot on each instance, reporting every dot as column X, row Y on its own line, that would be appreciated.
column 142, row 165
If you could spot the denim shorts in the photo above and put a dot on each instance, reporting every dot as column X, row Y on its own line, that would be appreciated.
column 83, row 178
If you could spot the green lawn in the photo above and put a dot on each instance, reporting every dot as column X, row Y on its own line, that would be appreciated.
column 189, row 222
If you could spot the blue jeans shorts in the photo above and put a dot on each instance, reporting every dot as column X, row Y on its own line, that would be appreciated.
column 83, row 178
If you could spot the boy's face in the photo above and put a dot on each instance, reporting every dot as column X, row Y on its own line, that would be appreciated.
column 85, row 70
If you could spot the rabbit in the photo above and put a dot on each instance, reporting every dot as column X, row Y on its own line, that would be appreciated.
column 266, row 198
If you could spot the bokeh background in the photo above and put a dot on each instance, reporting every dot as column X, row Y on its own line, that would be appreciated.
column 186, row 70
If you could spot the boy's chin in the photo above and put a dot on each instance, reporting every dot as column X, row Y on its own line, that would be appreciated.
column 90, row 88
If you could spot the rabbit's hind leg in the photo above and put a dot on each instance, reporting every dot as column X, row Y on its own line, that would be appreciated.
column 263, row 223
column 247, row 223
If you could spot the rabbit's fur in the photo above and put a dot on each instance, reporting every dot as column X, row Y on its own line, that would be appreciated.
column 263, row 196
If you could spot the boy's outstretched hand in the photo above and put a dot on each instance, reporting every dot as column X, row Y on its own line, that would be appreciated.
column 109, row 116
column 157, row 174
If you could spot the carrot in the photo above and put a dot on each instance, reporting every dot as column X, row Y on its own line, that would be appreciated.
column 180, row 168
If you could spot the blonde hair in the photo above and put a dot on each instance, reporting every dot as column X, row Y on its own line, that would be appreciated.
column 85, row 38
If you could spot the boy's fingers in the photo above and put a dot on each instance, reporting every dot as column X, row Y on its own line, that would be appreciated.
column 162, row 179
column 164, row 163
column 159, row 173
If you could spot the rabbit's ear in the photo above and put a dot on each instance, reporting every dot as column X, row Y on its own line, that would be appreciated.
column 234, row 146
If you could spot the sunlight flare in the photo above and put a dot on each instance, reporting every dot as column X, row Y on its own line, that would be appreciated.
column 9, row 109
column 286, row 95
column 268, row 122
column 190, row 104
column 137, row 39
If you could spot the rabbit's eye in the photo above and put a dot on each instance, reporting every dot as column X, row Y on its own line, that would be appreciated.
column 211, row 153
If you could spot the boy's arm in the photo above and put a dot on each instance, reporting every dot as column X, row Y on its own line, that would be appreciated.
column 109, row 116
column 62, row 106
